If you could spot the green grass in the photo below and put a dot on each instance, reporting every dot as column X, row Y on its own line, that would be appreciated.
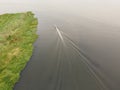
column 17, row 35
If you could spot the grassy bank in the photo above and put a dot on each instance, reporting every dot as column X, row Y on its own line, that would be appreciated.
column 17, row 34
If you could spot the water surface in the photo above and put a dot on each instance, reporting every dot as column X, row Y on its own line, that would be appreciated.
column 84, row 56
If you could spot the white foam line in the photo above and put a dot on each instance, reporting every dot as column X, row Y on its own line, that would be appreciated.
column 60, row 35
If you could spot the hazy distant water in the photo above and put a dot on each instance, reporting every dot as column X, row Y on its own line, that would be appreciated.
column 100, row 41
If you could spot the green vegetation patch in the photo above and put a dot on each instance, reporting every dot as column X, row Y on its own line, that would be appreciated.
column 17, row 35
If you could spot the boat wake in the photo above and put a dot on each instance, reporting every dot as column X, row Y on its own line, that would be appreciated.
column 85, row 59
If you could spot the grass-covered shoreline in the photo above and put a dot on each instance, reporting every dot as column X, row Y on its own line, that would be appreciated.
column 17, row 35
